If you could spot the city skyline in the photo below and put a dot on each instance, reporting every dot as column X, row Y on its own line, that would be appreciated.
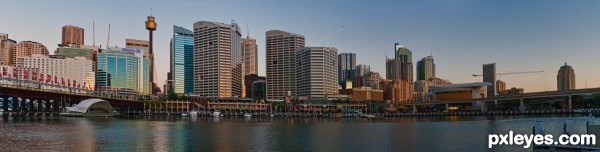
column 462, row 35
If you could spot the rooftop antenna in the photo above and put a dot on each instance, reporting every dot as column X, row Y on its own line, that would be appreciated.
column 94, row 33
column 150, row 11
column 108, row 40
column 248, row 31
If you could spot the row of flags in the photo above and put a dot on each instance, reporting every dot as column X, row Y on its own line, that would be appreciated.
column 46, row 80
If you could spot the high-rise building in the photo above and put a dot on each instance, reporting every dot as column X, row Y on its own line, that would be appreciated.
column 182, row 61
column 74, row 50
column 27, row 48
column 123, row 71
column 250, row 49
column 362, row 69
column 565, row 78
column 489, row 75
column 372, row 80
column 500, row 86
column 281, row 63
column 217, row 59
column 397, row 91
column 400, row 67
column 77, row 70
column 248, row 81
column 425, row 68
column 316, row 72
column 346, row 67
column 72, row 35
column 7, row 50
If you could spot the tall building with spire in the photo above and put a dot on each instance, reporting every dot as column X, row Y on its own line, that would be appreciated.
column 217, row 59
column 281, row 63
column 566, row 78
column 151, row 27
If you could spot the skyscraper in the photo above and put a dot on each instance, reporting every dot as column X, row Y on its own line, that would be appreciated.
column 565, row 78
column 250, row 54
column 489, row 75
column 217, row 59
column 146, row 65
column 281, row 63
column 425, row 68
column 27, row 48
column 400, row 68
column 361, row 70
column 316, row 72
column 72, row 35
column 346, row 67
column 372, row 80
column 7, row 50
column 182, row 60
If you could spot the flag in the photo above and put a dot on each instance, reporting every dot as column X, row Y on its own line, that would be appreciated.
column 84, row 86
column 69, row 82
column 41, row 77
column 15, row 71
column 55, row 80
column 33, row 75
column 63, row 80
column 48, row 78
column 4, row 71
column 25, row 74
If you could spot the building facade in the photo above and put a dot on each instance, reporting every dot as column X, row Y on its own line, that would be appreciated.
column 372, row 80
column 72, row 35
column 425, row 68
column 362, row 69
column 489, row 75
column 182, row 61
column 565, row 78
column 346, row 67
column 316, row 72
column 281, row 63
column 7, row 50
column 248, row 83
column 258, row 91
column 77, row 71
column 121, row 70
column 500, row 86
column 366, row 94
column 27, row 48
column 397, row 91
column 217, row 59
column 401, row 67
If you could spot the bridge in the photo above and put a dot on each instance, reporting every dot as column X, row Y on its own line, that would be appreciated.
column 23, row 99
column 521, row 97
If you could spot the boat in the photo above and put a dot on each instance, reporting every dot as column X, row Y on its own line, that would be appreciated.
column 216, row 114
column 367, row 116
column 247, row 115
column 194, row 113
column 185, row 114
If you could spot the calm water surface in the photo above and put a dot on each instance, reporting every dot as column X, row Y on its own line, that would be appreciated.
column 451, row 133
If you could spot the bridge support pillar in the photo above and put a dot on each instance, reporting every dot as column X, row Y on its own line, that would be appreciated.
column 570, row 102
column 495, row 102
column 40, row 103
column 22, row 104
column 521, row 105
column 414, row 108
column 47, row 106
column 446, row 107
column 4, row 103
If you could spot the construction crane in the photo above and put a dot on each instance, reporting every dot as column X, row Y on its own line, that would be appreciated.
column 509, row 73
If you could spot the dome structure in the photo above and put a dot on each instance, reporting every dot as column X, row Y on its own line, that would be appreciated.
column 92, row 106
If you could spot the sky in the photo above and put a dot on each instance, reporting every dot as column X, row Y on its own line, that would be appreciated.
column 462, row 35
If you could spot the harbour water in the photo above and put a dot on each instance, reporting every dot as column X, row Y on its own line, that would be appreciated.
column 164, row 133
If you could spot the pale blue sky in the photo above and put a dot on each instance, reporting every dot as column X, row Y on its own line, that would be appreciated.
column 462, row 34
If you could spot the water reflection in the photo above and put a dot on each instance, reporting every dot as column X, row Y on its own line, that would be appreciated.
column 266, row 134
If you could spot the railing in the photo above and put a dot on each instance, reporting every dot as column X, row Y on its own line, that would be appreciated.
column 44, row 87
